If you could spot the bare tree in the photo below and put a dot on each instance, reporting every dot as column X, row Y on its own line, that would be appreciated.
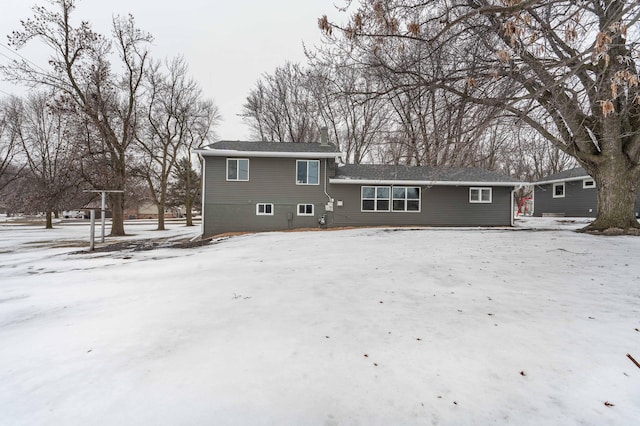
column 53, row 182
column 356, row 122
column 281, row 107
column 84, row 80
column 567, row 69
column 176, row 116
column 10, row 166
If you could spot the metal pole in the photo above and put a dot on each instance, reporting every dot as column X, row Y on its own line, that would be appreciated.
column 92, row 231
column 103, row 213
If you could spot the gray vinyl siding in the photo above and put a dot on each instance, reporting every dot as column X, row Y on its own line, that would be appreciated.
column 231, row 206
column 439, row 206
column 577, row 201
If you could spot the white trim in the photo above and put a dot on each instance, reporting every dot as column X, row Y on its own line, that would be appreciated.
column 237, row 169
column 202, row 195
column 264, row 204
column 564, row 190
column 386, row 182
column 480, row 190
column 305, row 214
column 546, row 182
column 237, row 153
column 585, row 186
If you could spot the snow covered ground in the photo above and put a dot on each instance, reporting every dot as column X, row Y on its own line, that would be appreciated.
column 354, row 327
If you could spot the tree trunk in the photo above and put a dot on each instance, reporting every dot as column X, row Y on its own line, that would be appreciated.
column 617, row 186
column 160, row 216
column 117, row 214
column 49, row 220
column 188, row 204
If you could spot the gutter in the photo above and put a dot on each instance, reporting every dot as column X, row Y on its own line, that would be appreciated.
column 545, row 182
column 421, row 182
column 270, row 154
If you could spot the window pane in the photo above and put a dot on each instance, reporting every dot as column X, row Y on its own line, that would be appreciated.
column 413, row 193
column 399, row 192
column 260, row 208
column 314, row 176
column 232, row 169
column 309, row 209
column 368, row 192
column 302, row 172
column 267, row 208
column 383, row 205
column 486, row 194
column 301, row 209
column 398, row 205
column 413, row 205
column 475, row 195
column 559, row 189
column 382, row 192
column 368, row 205
column 243, row 170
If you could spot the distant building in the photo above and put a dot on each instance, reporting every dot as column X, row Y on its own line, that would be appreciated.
column 569, row 193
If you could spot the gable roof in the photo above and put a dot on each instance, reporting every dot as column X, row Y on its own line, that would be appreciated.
column 577, row 173
column 269, row 149
column 375, row 174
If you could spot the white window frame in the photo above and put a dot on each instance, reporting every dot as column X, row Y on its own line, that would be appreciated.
column 305, row 214
column 480, row 190
column 556, row 185
column 375, row 198
column 237, row 179
column 307, row 178
column 263, row 213
column 406, row 200
column 591, row 182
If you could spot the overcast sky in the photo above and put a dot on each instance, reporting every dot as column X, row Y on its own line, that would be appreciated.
column 228, row 44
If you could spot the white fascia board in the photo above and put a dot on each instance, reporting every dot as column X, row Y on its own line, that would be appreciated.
column 421, row 182
column 236, row 153
column 546, row 182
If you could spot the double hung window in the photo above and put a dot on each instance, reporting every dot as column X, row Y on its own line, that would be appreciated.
column 406, row 199
column 558, row 190
column 376, row 198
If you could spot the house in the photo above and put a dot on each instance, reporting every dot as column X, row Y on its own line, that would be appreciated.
column 570, row 193
column 268, row 186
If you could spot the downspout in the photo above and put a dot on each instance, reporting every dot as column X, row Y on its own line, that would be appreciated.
column 202, row 186
column 326, row 178
column 513, row 196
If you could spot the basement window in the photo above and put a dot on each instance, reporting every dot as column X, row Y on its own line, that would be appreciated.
column 264, row 209
column 305, row 209
column 588, row 183
column 558, row 190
